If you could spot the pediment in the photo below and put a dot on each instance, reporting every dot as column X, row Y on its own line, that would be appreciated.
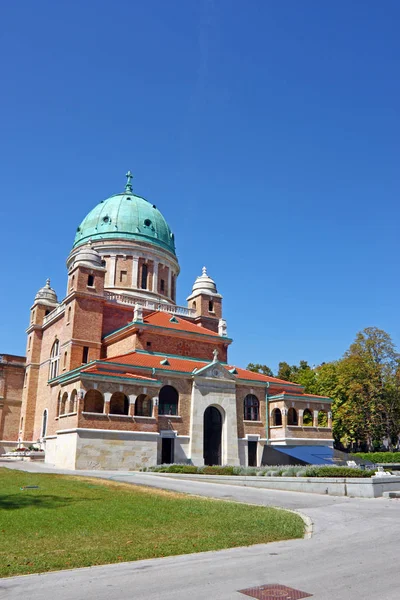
column 214, row 370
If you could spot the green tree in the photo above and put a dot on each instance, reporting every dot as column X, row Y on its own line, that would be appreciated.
column 258, row 368
column 284, row 371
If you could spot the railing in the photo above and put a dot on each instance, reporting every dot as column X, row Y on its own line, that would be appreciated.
column 150, row 304
column 54, row 313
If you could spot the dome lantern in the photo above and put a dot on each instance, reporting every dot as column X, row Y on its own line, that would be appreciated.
column 46, row 295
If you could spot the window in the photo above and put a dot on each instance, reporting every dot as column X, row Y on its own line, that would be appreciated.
column 65, row 360
column 54, row 360
column 71, row 287
column 148, row 344
column 276, row 417
column 123, row 276
column 119, row 404
column 72, row 401
column 44, row 422
column 29, row 342
column 85, row 355
column 69, row 315
column 307, row 418
column 143, row 406
column 251, row 408
column 210, row 306
column 47, row 312
column 322, row 419
column 63, row 405
column 145, row 271
column 168, row 401
column 22, row 423
column 94, row 402
column 194, row 305
column 90, row 280
column 292, row 416
column 162, row 285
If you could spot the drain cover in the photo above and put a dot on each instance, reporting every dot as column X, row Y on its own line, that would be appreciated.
column 274, row 591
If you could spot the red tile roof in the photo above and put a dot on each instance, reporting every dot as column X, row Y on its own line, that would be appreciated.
column 187, row 365
column 97, row 370
column 302, row 395
column 161, row 319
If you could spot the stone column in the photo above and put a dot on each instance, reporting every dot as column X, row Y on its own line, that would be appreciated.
column 169, row 291
column 111, row 272
column 155, row 276
column 300, row 412
column 330, row 419
column 315, row 418
column 132, row 399
column 107, row 396
column 284, row 412
column 135, row 272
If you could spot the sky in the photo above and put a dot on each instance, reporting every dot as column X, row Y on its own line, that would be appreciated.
column 267, row 133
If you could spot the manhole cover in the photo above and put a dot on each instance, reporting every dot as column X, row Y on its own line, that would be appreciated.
column 274, row 591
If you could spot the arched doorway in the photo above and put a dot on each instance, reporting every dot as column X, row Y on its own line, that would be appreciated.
column 212, row 435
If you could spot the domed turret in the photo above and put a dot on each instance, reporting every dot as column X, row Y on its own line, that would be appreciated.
column 126, row 216
column 46, row 295
column 205, row 285
column 131, row 239
column 88, row 257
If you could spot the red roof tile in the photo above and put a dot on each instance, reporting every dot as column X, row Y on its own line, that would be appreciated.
column 304, row 395
column 187, row 365
column 97, row 370
column 161, row 319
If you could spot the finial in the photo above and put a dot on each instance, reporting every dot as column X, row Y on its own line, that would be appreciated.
column 204, row 270
column 48, row 282
column 89, row 242
column 129, row 177
column 215, row 355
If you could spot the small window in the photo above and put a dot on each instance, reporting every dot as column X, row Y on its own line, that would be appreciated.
column 69, row 315
column 90, row 280
column 145, row 272
column 65, row 359
column 47, row 312
column 148, row 344
column 85, row 355
column 210, row 306
column 162, row 285
column 106, row 219
column 147, row 222
column 123, row 276
column 71, row 287
column 103, row 263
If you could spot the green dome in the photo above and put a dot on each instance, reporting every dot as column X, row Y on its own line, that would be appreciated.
column 128, row 217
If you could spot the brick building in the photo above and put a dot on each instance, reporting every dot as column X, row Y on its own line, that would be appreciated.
column 12, row 370
column 118, row 376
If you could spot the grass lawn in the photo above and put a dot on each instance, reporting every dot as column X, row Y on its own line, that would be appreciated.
column 77, row 522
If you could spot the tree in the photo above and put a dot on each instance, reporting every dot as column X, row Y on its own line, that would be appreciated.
column 284, row 371
column 257, row 368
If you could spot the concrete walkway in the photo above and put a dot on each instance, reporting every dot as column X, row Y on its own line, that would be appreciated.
column 352, row 554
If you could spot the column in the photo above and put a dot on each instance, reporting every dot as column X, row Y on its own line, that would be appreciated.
column 301, row 411
column 135, row 272
column 132, row 398
column 111, row 273
column 169, row 283
column 284, row 416
column 155, row 276
column 330, row 419
column 315, row 418
column 107, row 396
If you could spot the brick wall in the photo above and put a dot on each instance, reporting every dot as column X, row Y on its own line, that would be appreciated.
column 12, row 374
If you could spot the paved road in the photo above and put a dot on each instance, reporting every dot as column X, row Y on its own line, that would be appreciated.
column 352, row 554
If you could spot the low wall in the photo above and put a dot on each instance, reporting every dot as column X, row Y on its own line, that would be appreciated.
column 371, row 487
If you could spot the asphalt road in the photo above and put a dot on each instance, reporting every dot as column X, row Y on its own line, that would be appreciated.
column 351, row 555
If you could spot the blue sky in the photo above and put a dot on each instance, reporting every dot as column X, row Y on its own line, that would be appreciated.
column 268, row 134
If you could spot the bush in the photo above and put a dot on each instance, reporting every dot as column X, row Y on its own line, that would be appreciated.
column 327, row 471
column 215, row 470
column 379, row 457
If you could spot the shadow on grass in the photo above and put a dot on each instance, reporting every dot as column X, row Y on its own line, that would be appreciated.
column 16, row 501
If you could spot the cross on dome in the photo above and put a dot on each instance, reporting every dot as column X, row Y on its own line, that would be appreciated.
column 128, row 186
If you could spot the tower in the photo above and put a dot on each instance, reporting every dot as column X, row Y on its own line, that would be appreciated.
column 207, row 303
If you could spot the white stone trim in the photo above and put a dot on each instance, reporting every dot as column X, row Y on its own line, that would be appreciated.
column 70, row 415
column 106, row 431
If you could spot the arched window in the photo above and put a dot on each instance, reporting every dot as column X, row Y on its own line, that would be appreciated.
column 58, row 404
column 72, row 401
column 94, row 402
column 63, row 407
column 276, row 417
column 54, row 360
column 307, row 418
column 65, row 360
column 194, row 305
column 168, row 401
column 322, row 419
column 119, row 404
column 44, row 423
column 143, row 406
column 292, row 416
column 69, row 315
column 251, row 408
column 145, row 272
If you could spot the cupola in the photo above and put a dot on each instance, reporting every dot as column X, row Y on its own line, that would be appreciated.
column 46, row 295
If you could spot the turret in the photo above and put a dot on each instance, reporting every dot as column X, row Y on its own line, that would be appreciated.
column 206, row 302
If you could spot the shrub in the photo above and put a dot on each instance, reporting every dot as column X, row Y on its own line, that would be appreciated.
column 379, row 457
column 215, row 470
column 328, row 471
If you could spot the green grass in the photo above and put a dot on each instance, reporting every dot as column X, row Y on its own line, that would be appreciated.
column 78, row 522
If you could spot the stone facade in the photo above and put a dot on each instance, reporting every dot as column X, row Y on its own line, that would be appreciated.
column 12, row 375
